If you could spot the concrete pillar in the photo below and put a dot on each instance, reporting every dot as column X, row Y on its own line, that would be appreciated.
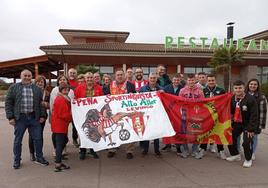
column 178, row 68
column 65, row 69
column 248, row 72
column 36, row 70
column 124, row 67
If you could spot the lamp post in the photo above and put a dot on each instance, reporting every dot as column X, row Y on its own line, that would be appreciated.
column 230, row 35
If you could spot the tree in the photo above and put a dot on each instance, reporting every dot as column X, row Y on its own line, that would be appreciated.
column 82, row 69
column 222, row 61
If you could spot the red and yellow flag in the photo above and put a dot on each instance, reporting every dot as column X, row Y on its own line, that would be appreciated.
column 199, row 121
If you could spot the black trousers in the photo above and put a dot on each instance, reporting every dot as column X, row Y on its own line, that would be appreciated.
column 84, row 151
column 247, row 142
column 219, row 147
column 74, row 133
column 59, row 142
column 145, row 145
column 30, row 140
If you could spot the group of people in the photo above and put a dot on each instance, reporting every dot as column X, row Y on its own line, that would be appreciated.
column 27, row 105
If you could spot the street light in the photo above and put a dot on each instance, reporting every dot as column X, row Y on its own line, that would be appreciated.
column 230, row 30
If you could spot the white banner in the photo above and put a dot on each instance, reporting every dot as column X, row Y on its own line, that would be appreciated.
column 109, row 121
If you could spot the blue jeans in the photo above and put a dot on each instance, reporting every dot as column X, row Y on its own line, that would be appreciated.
column 255, row 143
column 194, row 147
column 27, row 121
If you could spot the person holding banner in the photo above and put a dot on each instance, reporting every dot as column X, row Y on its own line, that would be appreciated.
column 120, row 86
column 244, row 111
column 139, row 82
column 151, row 86
column 211, row 90
column 174, row 89
column 61, row 117
column 88, row 89
column 193, row 92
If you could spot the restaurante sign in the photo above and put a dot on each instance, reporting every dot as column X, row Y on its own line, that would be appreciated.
column 204, row 43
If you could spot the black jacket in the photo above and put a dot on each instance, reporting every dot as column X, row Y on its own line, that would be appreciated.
column 249, row 109
column 167, row 81
column 13, row 102
column 130, row 88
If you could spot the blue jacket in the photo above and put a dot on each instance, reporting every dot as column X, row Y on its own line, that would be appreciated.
column 146, row 88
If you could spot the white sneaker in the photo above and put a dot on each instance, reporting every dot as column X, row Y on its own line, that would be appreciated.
column 184, row 154
column 195, row 153
column 222, row 155
column 253, row 157
column 247, row 164
column 213, row 148
column 234, row 158
column 200, row 154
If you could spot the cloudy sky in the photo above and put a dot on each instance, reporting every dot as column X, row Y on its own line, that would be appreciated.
column 28, row 24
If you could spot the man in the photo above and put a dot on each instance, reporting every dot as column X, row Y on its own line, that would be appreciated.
column 151, row 86
column 120, row 86
column 202, row 80
column 244, row 111
column 163, row 79
column 139, row 82
column 97, row 79
column 191, row 91
column 72, row 76
column 209, row 91
column 88, row 89
column 24, row 110
column 129, row 74
column 174, row 89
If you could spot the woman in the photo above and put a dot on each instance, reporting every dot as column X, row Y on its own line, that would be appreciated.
column 62, row 80
column 253, row 88
column 40, row 81
column 61, row 117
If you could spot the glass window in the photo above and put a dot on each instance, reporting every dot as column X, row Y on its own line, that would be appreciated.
column 106, row 69
column 194, row 70
column 262, row 74
column 189, row 70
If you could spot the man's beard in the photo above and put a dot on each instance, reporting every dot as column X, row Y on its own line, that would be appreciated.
column 139, row 77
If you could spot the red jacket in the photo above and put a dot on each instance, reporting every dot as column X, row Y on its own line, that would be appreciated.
column 80, row 91
column 61, row 115
column 73, row 84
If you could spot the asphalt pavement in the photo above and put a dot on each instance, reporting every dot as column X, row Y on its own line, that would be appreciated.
column 169, row 171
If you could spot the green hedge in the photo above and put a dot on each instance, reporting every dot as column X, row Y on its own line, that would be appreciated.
column 264, row 89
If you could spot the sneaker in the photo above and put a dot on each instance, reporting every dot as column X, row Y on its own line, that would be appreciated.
column 32, row 157
column 194, row 153
column 16, row 165
column 253, row 157
column 158, row 154
column 213, row 148
column 167, row 148
column 144, row 153
column 184, row 154
column 200, row 154
column 82, row 156
column 110, row 154
column 247, row 164
column 75, row 143
column 234, row 158
column 129, row 156
column 222, row 155
column 42, row 162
